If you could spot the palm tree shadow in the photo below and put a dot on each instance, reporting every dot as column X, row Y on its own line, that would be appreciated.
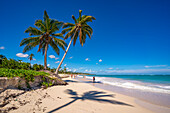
column 91, row 95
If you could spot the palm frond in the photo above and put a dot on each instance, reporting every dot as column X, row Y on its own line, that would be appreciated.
column 27, row 48
column 79, row 19
column 45, row 15
column 40, row 24
column 60, row 43
column 29, row 40
column 66, row 30
column 87, row 19
column 87, row 32
column 80, row 35
column 89, row 29
column 33, row 31
column 58, row 35
column 70, row 33
column 83, row 38
column 55, row 48
column 65, row 25
column 74, row 19
column 75, row 38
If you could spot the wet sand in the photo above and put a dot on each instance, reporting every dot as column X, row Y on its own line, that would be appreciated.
column 158, row 103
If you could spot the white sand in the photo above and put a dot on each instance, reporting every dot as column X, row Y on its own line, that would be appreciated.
column 75, row 98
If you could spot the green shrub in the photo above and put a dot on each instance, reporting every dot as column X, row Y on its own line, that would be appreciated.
column 27, row 74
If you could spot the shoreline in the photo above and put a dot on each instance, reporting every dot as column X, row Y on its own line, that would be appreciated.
column 154, row 97
column 158, row 108
column 76, row 97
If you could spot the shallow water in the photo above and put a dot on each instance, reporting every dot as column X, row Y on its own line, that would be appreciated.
column 154, row 93
column 149, row 83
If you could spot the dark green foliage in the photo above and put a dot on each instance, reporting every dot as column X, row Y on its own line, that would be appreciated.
column 27, row 74
column 18, row 64
column 45, row 35
column 79, row 29
column 37, row 67
column 14, row 64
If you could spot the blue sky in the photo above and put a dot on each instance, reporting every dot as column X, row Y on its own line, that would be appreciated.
column 130, row 36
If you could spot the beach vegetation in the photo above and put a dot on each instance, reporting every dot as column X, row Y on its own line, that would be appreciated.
column 30, row 58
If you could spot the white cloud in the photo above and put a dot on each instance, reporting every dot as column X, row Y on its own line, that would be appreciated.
column 57, row 62
column 34, row 59
column 89, row 71
column 110, row 68
column 22, row 55
column 87, row 59
column 100, row 60
column 156, row 66
column 48, row 65
column 74, row 70
column 65, row 64
column 86, row 70
column 52, row 56
column 2, row 47
column 56, row 58
column 70, row 57
column 68, row 69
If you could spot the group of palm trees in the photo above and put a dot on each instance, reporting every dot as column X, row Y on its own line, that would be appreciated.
column 45, row 35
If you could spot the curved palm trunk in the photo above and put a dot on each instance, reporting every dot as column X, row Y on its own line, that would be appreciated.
column 30, row 64
column 56, row 72
column 45, row 57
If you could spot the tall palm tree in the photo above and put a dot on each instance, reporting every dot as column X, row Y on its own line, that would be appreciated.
column 44, row 36
column 30, row 58
column 79, row 29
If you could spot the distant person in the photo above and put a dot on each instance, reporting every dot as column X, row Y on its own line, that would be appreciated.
column 93, row 79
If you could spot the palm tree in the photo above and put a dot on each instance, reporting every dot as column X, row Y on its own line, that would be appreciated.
column 45, row 35
column 79, row 29
column 30, row 58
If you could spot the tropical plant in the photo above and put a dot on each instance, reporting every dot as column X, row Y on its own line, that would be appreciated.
column 79, row 29
column 14, row 64
column 30, row 58
column 65, row 69
column 2, row 57
column 38, row 67
column 44, row 36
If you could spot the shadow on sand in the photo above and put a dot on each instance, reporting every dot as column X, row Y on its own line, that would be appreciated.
column 91, row 95
column 73, row 81
column 70, row 81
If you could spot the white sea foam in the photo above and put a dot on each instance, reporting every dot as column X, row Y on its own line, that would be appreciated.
column 133, row 84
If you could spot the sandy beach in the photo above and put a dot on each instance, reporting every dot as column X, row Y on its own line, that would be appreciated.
column 77, row 97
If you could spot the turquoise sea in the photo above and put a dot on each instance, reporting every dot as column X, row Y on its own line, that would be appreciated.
column 150, row 83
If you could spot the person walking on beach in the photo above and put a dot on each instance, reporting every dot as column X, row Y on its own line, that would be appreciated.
column 93, row 79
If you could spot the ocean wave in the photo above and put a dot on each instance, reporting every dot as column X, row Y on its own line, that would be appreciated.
column 130, row 84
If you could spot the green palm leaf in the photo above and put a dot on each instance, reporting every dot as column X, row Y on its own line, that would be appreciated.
column 45, row 35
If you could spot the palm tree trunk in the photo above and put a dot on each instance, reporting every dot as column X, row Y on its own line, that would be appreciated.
column 56, row 72
column 45, row 57
column 30, row 64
